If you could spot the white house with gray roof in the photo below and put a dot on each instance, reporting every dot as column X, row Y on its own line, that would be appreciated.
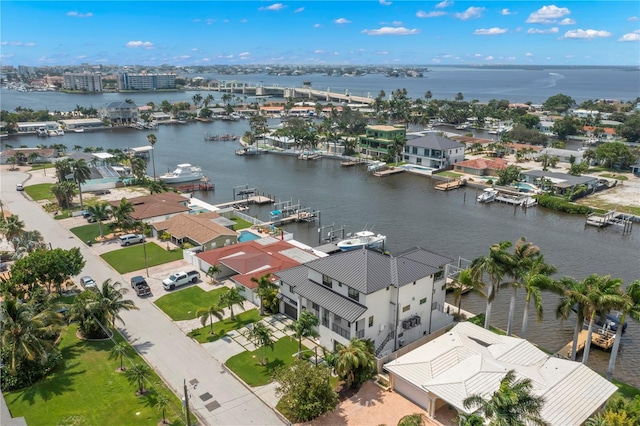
column 391, row 300
column 430, row 149
column 470, row 360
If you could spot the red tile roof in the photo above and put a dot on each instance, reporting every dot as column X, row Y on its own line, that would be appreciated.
column 484, row 164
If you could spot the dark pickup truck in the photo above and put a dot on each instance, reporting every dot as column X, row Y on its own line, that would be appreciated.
column 139, row 284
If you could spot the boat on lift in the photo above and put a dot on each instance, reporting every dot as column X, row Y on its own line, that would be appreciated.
column 487, row 196
column 363, row 239
column 182, row 173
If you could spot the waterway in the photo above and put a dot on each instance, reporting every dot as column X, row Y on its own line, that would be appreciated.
column 404, row 207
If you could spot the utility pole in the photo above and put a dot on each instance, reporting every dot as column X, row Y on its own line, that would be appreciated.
column 186, row 403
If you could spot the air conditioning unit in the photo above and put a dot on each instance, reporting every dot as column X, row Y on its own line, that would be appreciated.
column 401, row 342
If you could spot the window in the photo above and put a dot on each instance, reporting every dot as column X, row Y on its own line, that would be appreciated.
column 327, row 281
column 388, row 288
column 414, row 283
column 315, row 306
column 438, row 275
column 371, row 321
column 339, row 284
column 354, row 294
column 406, row 308
column 423, row 301
column 291, row 289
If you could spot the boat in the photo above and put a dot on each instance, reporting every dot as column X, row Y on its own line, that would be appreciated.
column 487, row 196
column 183, row 173
column 79, row 130
column 42, row 132
column 608, row 322
column 363, row 239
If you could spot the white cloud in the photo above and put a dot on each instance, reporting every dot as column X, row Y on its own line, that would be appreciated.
column 548, row 14
column 528, row 54
column 7, row 56
column 299, row 10
column 396, row 31
column 507, row 12
column 142, row 44
column 341, row 21
column 632, row 36
column 489, row 58
column 471, row 13
column 478, row 55
column 79, row 15
column 381, row 52
column 443, row 4
column 490, row 31
column 195, row 49
column 317, row 26
column 244, row 21
column 552, row 30
column 434, row 14
column 586, row 34
column 209, row 21
column 397, row 23
column 243, row 54
column 319, row 52
column 632, row 19
column 17, row 43
column 275, row 6
column 384, row 2
column 567, row 21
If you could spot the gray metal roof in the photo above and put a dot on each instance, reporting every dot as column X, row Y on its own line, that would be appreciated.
column 572, row 180
column 433, row 140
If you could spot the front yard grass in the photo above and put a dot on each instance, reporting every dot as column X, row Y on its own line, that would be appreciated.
column 246, row 365
column 88, row 232
column 132, row 258
column 221, row 328
column 87, row 390
column 40, row 191
column 182, row 304
column 241, row 224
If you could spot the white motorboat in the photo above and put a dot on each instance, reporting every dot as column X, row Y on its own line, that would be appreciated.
column 183, row 173
column 79, row 129
column 487, row 196
column 363, row 239
column 42, row 132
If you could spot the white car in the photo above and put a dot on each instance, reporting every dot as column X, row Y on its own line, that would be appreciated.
column 19, row 187
column 88, row 282
column 129, row 239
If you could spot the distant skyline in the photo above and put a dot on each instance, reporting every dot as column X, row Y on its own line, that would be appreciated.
column 383, row 32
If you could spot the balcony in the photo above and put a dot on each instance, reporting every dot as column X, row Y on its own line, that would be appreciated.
column 341, row 331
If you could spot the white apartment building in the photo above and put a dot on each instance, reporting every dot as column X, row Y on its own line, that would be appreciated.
column 86, row 81
column 391, row 300
column 129, row 81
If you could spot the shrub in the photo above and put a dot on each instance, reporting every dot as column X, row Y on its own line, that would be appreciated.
column 28, row 372
column 562, row 205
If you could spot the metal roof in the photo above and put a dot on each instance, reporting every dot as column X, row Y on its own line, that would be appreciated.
column 433, row 140
column 334, row 302
column 471, row 360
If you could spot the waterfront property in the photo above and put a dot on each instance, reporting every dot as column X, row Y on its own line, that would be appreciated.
column 157, row 207
column 392, row 300
column 378, row 138
column 563, row 155
column 31, row 127
column 44, row 155
column 481, row 166
column 472, row 360
column 561, row 183
column 81, row 124
column 205, row 230
column 120, row 113
column 432, row 150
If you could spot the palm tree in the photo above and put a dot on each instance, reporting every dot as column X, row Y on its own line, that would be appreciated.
column 265, row 289
column 495, row 266
column 26, row 332
column 101, row 211
column 630, row 307
column 524, row 253
column 152, row 139
column 122, row 213
column 232, row 297
column 63, row 191
column 119, row 350
column 534, row 280
column 213, row 272
column 158, row 186
column 162, row 402
column 428, row 95
column 11, row 227
column 355, row 363
column 111, row 301
column 81, row 174
column 27, row 242
column 463, row 283
column 138, row 168
column 304, row 326
column 511, row 404
column 137, row 374
column 260, row 335
column 207, row 314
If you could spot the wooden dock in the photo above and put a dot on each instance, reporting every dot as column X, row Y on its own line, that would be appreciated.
column 611, row 218
column 202, row 186
column 352, row 163
column 602, row 340
column 451, row 184
column 388, row 172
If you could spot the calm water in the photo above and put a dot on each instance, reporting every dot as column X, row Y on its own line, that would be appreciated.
column 404, row 207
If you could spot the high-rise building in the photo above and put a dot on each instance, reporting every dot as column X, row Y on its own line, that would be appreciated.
column 129, row 81
column 86, row 81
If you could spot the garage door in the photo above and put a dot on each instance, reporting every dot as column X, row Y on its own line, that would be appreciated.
column 290, row 311
column 412, row 393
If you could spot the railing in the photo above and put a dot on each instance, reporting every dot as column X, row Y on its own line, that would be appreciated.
column 341, row 331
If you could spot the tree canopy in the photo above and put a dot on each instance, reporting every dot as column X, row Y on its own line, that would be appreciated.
column 48, row 267
column 559, row 103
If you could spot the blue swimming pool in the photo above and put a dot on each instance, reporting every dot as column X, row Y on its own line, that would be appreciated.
column 247, row 236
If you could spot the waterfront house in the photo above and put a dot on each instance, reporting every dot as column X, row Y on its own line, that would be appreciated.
column 430, row 149
column 545, row 127
column 563, row 155
column 44, row 155
column 27, row 127
column 481, row 166
column 392, row 300
column 561, row 183
column 157, row 207
column 470, row 360
column 119, row 113
column 601, row 133
column 253, row 259
column 81, row 124
column 377, row 139
column 205, row 230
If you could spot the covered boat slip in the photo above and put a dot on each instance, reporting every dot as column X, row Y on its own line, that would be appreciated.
column 139, row 151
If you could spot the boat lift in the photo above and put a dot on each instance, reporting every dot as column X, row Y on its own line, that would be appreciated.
column 332, row 234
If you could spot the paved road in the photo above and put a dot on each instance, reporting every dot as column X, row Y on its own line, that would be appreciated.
column 164, row 346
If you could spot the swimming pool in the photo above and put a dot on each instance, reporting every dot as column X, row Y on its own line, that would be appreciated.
column 526, row 187
column 247, row 236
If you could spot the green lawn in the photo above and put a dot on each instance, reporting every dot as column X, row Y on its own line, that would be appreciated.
column 88, row 232
column 132, row 258
column 246, row 365
column 182, row 304
column 44, row 166
column 614, row 176
column 449, row 174
column 87, row 390
column 241, row 224
column 221, row 328
column 40, row 191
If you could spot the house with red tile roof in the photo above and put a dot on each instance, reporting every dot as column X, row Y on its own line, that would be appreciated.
column 481, row 166
column 253, row 259
column 603, row 133
column 157, row 207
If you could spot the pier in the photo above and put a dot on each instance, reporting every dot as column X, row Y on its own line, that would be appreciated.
column 611, row 218
column 200, row 186
column 602, row 340
column 388, row 172
column 450, row 184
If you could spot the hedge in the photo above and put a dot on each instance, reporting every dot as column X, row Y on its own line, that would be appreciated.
column 562, row 205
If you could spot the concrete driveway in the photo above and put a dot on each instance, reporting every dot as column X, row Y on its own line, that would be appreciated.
column 216, row 397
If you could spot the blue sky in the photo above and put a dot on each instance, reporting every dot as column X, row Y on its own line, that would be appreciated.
column 320, row 32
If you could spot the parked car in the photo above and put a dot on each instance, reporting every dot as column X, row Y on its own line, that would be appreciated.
column 86, row 214
column 139, row 284
column 180, row 278
column 129, row 239
column 88, row 282
column 102, row 192
column 91, row 218
column 19, row 187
